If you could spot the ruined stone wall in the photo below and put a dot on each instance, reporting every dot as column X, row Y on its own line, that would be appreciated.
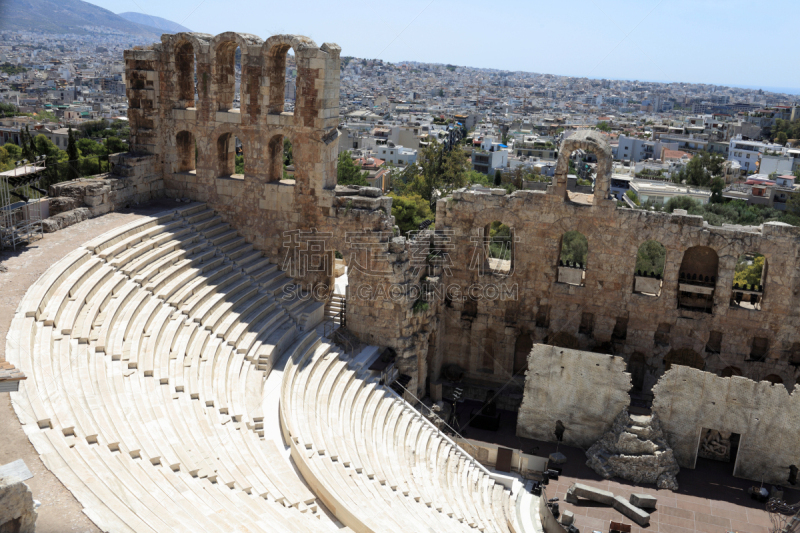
column 606, row 314
column 583, row 390
column 298, row 222
column 766, row 417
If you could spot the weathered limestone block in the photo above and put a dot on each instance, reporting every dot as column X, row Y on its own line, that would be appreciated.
column 62, row 204
column 644, row 501
column 635, row 449
column 573, row 276
column 64, row 220
column 567, row 518
column 631, row 511
column 591, row 493
column 647, row 285
column 16, row 508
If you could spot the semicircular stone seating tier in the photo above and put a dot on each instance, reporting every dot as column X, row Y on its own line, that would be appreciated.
column 158, row 355
column 361, row 446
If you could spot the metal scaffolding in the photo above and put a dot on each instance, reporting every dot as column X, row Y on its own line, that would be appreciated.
column 21, row 216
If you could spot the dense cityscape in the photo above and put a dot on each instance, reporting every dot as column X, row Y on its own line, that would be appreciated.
column 508, row 123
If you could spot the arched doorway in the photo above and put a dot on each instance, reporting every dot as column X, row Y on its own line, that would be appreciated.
column 685, row 357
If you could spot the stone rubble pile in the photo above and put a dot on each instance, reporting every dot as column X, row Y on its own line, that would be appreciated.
column 635, row 449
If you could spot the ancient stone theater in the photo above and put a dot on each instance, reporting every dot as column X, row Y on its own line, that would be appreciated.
column 196, row 369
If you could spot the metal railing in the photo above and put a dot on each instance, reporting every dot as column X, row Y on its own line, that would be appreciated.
column 443, row 435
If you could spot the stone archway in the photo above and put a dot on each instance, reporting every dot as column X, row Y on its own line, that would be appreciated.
column 589, row 141
column 685, row 357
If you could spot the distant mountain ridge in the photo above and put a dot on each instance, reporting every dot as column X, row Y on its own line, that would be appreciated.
column 156, row 22
column 68, row 16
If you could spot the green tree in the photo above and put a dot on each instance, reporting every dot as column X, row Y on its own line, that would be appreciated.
column 748, row 270
column 717, row 186
column 781, row 138
column 90, row 148
column 498, row 178
column 574, row 247
column 499, row 241
column 651, row 258
column 603, row 126
column 633, row 196
column 410, row 211
column 73, row 156
column 115, row 145
column 14, row 152
column 348, row 173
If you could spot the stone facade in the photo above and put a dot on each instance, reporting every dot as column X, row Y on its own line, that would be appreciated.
column 583, row 391
column 764, row 416
column 185, row 134
column 487, row 336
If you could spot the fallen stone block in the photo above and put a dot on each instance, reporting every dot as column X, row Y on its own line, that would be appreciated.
column 571, row 498
column 590, row 493
column 645, row 501
column 567, row 518
column 631, row 511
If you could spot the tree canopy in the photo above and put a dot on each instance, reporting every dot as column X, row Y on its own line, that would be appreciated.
column 410, row 211
column 650, row 258
column 348, row 173
column 700, row 170
column 748, row 270
column 574, row 247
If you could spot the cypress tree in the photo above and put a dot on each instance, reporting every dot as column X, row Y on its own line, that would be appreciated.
column 72, row 157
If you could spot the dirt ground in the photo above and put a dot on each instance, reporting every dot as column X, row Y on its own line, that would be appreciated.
column 60, row 512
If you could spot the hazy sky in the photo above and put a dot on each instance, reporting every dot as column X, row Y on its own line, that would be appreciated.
column 726, row 42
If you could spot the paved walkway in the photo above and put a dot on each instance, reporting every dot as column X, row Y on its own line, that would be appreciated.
column 709, row 500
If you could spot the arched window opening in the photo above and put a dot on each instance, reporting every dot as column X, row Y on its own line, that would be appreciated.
column 572, row 259
column 283, row 90
column 187, row 152
column 239, row 158
column 685, row 357
column 499, row 244
column 649, row 269
column 748, row 281
column 775, row 379
column 729, row 371
column 697, row 279
column 581, row 171
column 186, row 67
column 280, row 157
column 228, row 75
column 230, row 156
